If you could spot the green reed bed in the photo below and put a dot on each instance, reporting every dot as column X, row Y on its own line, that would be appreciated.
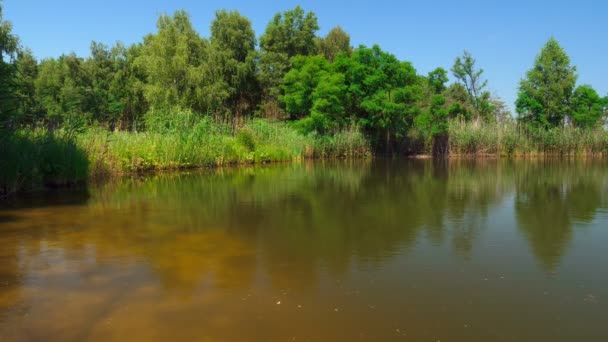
column 470, row 138
column 209, row 143
column 32, row 159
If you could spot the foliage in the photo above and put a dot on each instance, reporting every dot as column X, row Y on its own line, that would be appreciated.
column 289, row 34
column 177, row 99
column 31, row 159
column 336, row 41
column 545, row 94
column 204, row 142
column 510, row 139
column 173, row 61
column 587, row 107
column 470, row 77
column 9, row 45
column 233, row 43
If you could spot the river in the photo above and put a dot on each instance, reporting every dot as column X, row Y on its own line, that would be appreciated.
column 379, row 250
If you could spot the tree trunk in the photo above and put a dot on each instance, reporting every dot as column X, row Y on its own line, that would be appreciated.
column 441, row 146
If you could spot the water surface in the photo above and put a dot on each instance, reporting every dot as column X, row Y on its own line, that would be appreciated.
column 324, row 251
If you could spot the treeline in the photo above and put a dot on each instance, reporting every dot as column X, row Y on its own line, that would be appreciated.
column 320, row 84
column 292, row 73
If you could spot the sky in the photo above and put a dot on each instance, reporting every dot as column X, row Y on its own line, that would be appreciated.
column 504, row 36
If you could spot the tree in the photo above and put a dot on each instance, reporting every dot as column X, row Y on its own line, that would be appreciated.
column 300, row 83
column 26, row 75
column 382, row 92
column 101, row 69
column 126, row 93
column 233, row 40
column 587, row 107
column 179, row 70
column 63, row 88
column 470, row 77
column 337, row 41
column 545, row 94
column 437, row 80
column 289, row 34
column 9, row 45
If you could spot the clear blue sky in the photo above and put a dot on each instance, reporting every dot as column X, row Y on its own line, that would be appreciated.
column 504, row 36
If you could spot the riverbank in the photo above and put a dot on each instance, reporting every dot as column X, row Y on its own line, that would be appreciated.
column 38, row 158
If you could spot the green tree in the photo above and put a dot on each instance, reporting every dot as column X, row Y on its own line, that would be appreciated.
column 178, row 70
column 101, row 70
column 329, row 98
column 233, row 40
column 63, row 88
column 26, row 75
column 545, row 94
column 382, row 92
column 470, row 77
column 587, row 107
column 9, row 45
column 289, row 34
column 127, row 102
column 437, row 80
column 335, row 42
column 300, row 83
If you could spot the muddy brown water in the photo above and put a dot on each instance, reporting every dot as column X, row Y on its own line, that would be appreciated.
column 315, row 251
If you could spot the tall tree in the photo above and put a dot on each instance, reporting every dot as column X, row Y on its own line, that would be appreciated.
column 100, row 67
column 335, row 42
column 233, row 40
column 467, row 73
column 173, row 60
column 63, row 88
column 545, row 94
column 289, row 34
column 127, row 89
column 382, row 92
column 26, row 75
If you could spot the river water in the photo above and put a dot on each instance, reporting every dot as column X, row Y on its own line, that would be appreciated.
column 376, row 250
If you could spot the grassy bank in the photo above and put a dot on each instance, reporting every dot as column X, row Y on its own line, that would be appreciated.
column 207, row 143
column 37, row 158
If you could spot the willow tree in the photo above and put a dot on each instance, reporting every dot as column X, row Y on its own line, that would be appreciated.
column 545, row 93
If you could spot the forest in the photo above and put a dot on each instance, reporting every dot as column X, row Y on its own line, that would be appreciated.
column 178, row 100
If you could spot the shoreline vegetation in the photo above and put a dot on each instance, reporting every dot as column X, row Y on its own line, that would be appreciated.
column 177, row 100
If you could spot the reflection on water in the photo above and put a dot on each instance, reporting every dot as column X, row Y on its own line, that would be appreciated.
column 380, row 250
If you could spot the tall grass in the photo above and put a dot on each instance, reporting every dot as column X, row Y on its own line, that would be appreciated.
column 471, row 138
column 31, row 159
column 205, row 142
